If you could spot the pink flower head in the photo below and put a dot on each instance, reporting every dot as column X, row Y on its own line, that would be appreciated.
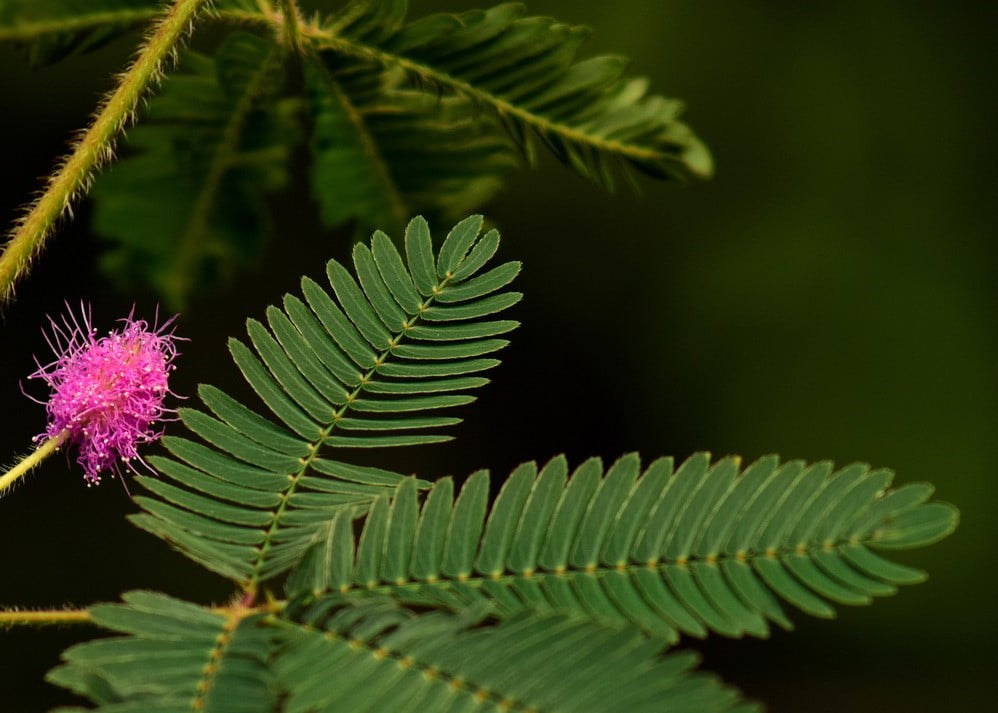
column 106, row 394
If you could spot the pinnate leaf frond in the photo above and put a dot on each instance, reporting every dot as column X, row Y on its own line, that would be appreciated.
column 382, row 152
column 50, row 30
column 172, row 657
column 703, row 547
column 439, row 661
column 524, row 72
column 371, row 364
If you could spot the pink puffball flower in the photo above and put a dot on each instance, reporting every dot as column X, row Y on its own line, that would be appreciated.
column 107, row 393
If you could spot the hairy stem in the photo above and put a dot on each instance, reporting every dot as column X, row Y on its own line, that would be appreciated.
column 48, row 617
column 45, row 617
column 30, row 461
column 96, row 145
column 292, row 26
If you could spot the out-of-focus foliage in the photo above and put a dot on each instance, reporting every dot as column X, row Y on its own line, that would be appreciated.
column 186, row 205
column 403, row 117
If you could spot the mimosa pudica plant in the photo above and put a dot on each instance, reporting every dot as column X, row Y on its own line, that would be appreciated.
column 358, row 588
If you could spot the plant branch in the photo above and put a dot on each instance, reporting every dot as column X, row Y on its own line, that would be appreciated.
column 31, row 461
column 10, row 618
column 44, row 617
column 96, row 146
column 292, row 26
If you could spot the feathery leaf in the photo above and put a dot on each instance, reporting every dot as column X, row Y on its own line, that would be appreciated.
column 50, row 30
column 357, row 367
column 704, row 547
column 524, row 72
column 173, row 657
column 374, row 656
column 383, row 152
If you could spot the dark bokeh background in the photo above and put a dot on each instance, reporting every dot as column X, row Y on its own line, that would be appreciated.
column 830, row 294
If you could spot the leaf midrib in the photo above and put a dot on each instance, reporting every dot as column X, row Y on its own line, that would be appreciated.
column 602, row 570
column 430, row 673
column 252, row 584
column 210, row 672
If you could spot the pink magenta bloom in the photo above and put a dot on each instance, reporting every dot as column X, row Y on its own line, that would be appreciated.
column 106, row 394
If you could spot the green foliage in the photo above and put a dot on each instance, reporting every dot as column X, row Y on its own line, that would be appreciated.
column 370, row 367
column 524, row 70
column 50, row 30
column 700, row 548
column 185, row 205
column 437, row 662
column 337, row 655
column 407, row 595
column 381, row 151
column 403, row 117
column 174, row 657
column 559, row 598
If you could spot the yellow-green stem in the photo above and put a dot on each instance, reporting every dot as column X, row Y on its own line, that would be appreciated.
column 292, row 26
column 44, row 617
column 30, row 461
column 95, row 146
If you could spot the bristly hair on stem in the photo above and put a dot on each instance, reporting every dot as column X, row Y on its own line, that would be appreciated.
column 95, row 146
column 30, row 462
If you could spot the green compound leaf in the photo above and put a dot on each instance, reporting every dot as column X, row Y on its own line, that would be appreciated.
column 172, row 657
column 50, row 30
column 185, row 204
column 373, row 656
column 703, row 547
column 382, row 152
column 357, row 365
column 523, row 72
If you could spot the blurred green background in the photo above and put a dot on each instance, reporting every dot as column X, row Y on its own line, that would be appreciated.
column 831, row 293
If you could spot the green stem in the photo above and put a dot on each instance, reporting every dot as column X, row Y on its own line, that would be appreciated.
column 96, row 145
column 292, row 26
column 30, row 461
column 44, row 617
